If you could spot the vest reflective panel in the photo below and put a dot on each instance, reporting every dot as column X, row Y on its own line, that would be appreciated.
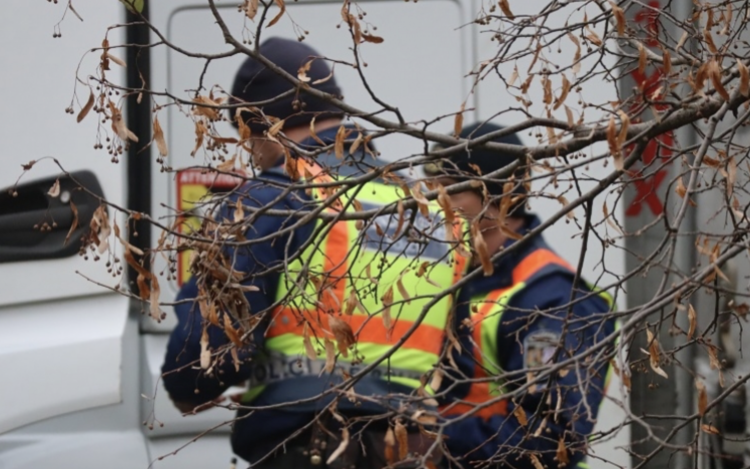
column 485, row 322
column 353, row 271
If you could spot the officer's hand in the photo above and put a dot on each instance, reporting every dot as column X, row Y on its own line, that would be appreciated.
column 192, row 409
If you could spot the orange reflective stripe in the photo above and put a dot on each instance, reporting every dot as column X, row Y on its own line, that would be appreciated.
column 476, row 332
column 367, row 329
column 535, row 262
column 479, row 393
column 335, row 267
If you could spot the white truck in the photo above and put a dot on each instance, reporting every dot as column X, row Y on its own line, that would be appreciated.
column 79, row 363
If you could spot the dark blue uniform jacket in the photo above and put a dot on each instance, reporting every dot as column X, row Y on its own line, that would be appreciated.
column 476, row 438
column 254, row 434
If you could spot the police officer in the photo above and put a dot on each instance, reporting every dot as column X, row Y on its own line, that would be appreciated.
column 344, row 298
column 515, row 322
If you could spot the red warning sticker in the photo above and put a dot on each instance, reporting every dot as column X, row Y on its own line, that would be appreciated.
column 195, row 186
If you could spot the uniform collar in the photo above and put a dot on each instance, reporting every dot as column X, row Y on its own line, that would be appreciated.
column 502, row 276
column 328, row 136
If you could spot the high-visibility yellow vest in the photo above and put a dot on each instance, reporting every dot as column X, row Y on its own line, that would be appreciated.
column 486, row 315
column 347, row 260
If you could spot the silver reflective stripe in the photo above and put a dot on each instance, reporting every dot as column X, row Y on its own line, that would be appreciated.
column 279, row 367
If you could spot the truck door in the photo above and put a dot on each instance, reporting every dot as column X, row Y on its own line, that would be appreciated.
column 67, row 345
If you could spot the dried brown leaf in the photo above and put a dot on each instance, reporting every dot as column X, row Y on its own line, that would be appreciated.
column 680, row 188
column 514, row 76
column 251, row 8
column 505, row 7
column 731, row 176
column 593, row 37
column 547, row 87
column 309, row 349
column 619, row 15
column 563, row 93
column 302, row 72
column 401, row 218
column 155, row 311
column 702, row 398
column 710, row 429
column 480, row 246
column 387, row 302
column 744, row 79
column 161, row 143
column 117, row 60
column 330, row 355
column 713, row 358
column 205, row 352
column 390, row 443
column 577, row 56
column 622, row 137
column 232, row 333
column 458, row 121
column 714, row 72
column 372, row 38
column 74, row 224
column 612, row 141
column 338, row 144
column 54, row 191
column 653, row 352
column 201, row 108
column 436, row 380
column 667, row 62
column 422, row 202
column 569, row 116
column 118, row 124
column 86, row 107
column 278, row 16
column 520, row 414
column 642, row 59
column 402, row 290
column 402, row 439
column 535, row 461
column 351, row 303
column 343, row 333
column 562, row 452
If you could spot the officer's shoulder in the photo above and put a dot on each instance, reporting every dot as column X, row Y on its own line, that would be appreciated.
column 265, row 188
column 555, row 287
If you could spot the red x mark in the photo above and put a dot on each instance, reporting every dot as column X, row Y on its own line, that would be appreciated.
column 658, row 148
column 647, row 188
column 646, row 192
column 650, row 16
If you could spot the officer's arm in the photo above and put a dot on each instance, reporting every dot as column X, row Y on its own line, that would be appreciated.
column 186, row 383
column 546, row 422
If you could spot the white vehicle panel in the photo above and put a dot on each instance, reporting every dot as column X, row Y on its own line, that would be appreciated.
column 60, row 357
column 113, row 450
column 37, row 85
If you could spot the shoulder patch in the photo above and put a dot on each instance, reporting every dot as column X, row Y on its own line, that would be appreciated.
column 539, row 348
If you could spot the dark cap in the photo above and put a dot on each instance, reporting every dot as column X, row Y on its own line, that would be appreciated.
column 469, row 164
column 254, row 82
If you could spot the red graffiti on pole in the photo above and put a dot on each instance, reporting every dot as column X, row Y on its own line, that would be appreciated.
column 659, row 148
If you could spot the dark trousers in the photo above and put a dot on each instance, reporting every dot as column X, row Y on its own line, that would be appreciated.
column 367, row 449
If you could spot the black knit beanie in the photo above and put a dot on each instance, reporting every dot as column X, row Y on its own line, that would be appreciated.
column 466, row 165
column 254, row 82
